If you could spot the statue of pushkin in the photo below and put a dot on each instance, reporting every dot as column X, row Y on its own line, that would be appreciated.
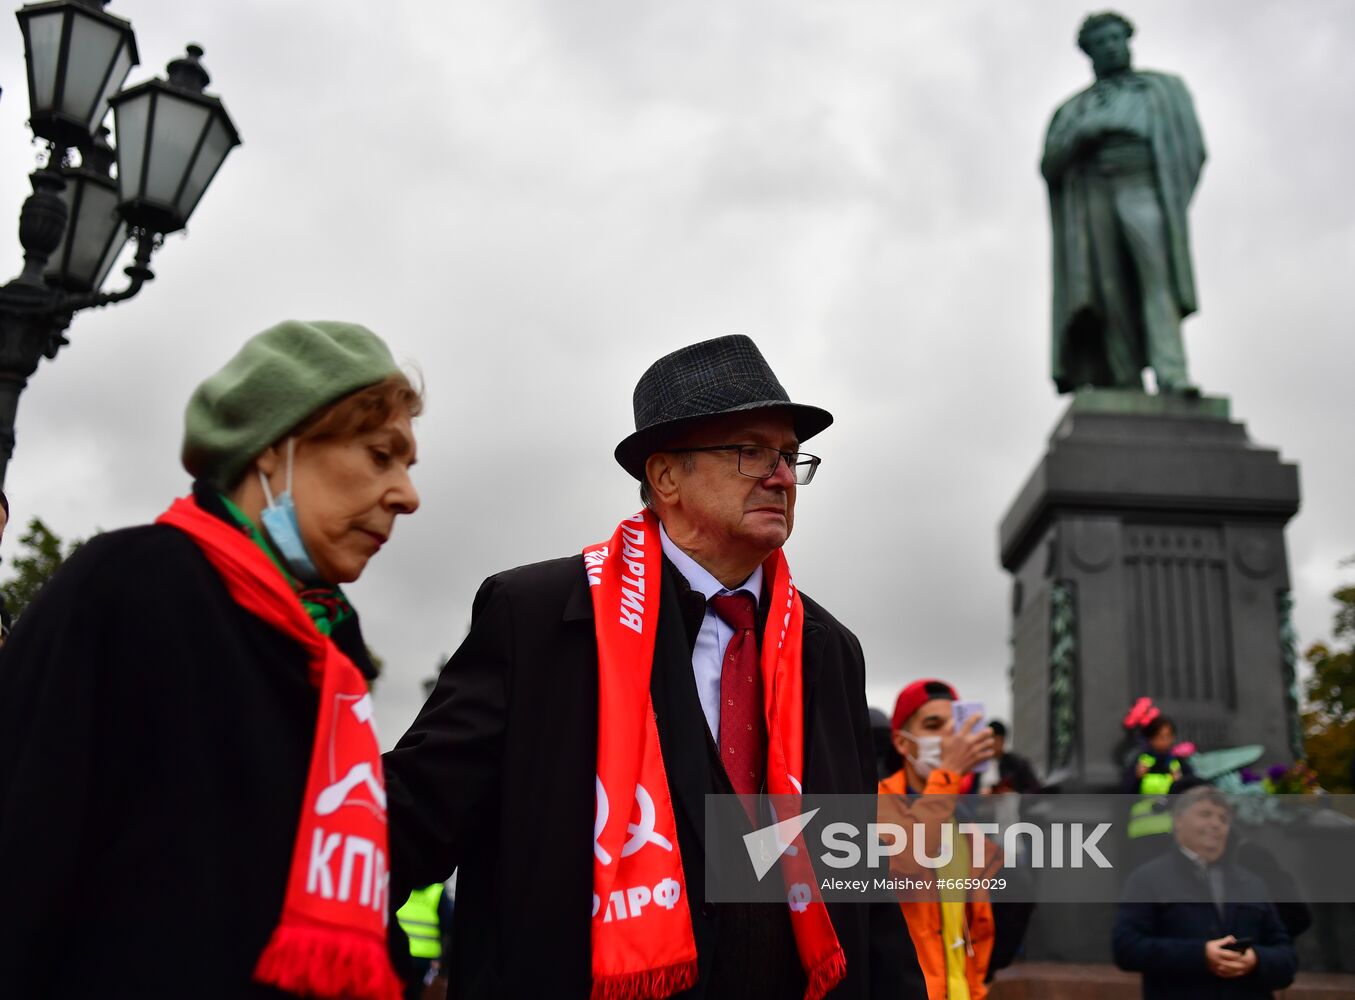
column 1122, row 159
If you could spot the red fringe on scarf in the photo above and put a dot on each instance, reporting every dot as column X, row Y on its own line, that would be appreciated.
column 827, row 974
column 648, row 985
column 323, row 961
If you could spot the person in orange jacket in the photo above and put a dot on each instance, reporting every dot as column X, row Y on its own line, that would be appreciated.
column 952, row 932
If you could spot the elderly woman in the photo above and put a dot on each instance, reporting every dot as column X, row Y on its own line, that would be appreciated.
column 191, row 795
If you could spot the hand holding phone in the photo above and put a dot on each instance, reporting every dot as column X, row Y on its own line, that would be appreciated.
column 972, row 741
column 1229, row 957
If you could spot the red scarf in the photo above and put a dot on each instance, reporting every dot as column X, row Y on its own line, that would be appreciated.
column 331, row 939
column 643, row 945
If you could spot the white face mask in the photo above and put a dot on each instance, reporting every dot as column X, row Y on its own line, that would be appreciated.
column 928, row 756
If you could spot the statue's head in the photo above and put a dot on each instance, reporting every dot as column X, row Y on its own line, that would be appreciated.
column 1105, row 38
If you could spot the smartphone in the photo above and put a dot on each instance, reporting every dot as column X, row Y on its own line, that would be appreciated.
column 1240, row 945
column 961, row 712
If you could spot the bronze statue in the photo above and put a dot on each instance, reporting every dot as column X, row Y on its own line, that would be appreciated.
column 1122, row 159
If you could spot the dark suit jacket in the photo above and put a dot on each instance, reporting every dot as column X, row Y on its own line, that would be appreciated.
column 1165, row 940
column 496, row 777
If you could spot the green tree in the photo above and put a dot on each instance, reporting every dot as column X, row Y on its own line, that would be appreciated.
column 1329, row 723
column 42, row 553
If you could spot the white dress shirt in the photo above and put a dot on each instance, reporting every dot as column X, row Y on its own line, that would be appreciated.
column 709, row 653
column 1211, row 873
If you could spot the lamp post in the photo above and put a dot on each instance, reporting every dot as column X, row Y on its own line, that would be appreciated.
column 171, row 140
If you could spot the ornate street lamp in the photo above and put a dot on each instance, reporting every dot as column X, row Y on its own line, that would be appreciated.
column 77, row 57
column 96, row 233
column 172, row 139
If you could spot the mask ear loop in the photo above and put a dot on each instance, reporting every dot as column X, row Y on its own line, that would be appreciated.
column 267, row 493
column 263, row 480
column 291, row 453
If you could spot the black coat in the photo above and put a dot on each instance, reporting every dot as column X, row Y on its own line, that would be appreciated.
column 1165, row 940
column 154, row 743
column 1015, row 773
column 497, row 776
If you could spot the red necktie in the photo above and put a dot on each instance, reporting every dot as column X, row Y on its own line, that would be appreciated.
column 743, row 729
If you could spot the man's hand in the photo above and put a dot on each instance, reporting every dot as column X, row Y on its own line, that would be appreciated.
column 1228, row 964
column 961, row 752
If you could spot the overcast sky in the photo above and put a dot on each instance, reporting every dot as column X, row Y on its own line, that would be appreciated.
column 532, row 201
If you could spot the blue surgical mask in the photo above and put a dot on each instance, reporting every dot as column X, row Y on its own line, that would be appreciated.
column 279, row 520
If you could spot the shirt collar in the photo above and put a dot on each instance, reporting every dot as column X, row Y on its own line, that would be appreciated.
column 699, row 578
column 1195, row 859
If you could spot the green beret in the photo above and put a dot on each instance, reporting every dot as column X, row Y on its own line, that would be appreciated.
column 278, row 379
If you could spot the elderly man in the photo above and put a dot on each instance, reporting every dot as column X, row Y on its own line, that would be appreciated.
column 563, row 760
column 1122, row 159
column 1196, row 924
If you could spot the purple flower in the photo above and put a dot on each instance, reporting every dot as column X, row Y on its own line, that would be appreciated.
column 1276, row 771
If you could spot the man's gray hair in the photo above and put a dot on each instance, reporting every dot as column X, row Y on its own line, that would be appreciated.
column 1095, row 21
column 1200, row 793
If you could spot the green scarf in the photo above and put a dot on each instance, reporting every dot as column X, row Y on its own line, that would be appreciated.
column 327, row 606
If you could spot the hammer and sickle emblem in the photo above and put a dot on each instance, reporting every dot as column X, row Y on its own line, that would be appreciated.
column 360, row 775
column 642, row 833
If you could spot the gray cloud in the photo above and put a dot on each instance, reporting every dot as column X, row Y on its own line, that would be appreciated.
column 534, row 200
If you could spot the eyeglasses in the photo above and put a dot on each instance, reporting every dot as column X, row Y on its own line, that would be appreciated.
column 759, row 461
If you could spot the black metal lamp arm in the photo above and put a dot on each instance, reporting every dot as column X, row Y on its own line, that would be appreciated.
column 139, row 272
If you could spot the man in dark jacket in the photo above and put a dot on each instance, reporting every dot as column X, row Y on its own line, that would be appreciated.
column 1196, row 924
column 502, row 774
column 1011, row 772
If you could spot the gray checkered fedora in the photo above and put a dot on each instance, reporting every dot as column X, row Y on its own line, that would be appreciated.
column 724, row 375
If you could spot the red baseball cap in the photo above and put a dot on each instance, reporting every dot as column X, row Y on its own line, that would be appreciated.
column 914, row 696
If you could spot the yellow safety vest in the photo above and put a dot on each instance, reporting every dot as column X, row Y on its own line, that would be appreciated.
column 1158, row 783
column 419, row 920
column 1149, row 816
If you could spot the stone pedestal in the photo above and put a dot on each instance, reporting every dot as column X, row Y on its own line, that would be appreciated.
column 1147, row 557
